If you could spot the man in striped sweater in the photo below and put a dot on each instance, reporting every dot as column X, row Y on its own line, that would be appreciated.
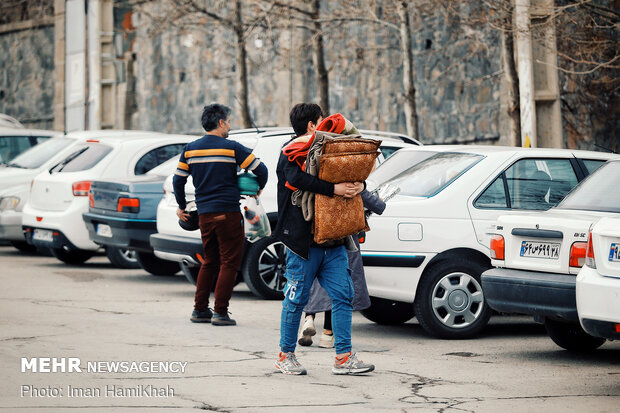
column 212, row 162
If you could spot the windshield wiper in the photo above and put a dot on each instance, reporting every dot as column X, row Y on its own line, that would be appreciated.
column 64, row 163
column 16, row 165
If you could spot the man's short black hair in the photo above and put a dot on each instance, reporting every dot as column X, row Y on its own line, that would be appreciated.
column 301, row 114
column 211, row 115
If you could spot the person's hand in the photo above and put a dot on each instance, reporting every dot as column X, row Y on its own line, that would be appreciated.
column 260, row 191
column 182, row 214
column 348, row 189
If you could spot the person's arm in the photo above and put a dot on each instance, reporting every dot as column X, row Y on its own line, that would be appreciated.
column 373, row 203
column 178, row 184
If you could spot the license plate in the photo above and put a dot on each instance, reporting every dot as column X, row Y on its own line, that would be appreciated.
column 104, row 230
column 614, row 253
column 43, row 235
column 548, row 250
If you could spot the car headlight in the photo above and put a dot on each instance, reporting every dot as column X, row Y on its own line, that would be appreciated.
column 9, row 203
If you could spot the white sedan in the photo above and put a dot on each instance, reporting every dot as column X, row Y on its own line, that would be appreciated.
column 425, row 254
column 598, row 282
column 52, row 218
column 540, row 254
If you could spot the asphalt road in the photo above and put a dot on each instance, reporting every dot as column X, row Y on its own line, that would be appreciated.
column 99, row 315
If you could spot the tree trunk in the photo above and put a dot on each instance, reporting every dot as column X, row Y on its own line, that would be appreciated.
column 241, row 85
column 512, row 80
column 411, row 116
column 318, row 58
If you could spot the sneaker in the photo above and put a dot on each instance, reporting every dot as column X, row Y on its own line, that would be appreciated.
column 307, row 331
column 351, row 365
column 326, row 341
column 201, row 316
column 222, row 320
column 287, row 363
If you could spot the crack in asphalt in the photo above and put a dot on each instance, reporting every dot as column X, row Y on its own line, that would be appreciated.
column 49, row 304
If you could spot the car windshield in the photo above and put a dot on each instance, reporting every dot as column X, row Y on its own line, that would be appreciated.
column 37, row 155
column 598, row 192
column 432, row 175
column 165, row 168
column 397, row 163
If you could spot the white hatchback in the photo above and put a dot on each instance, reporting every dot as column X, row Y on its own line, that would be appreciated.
column 52, row 218
column 425, row 254
column 598, row 282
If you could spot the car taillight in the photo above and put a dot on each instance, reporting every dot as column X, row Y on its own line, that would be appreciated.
column 91, row 199
column 497, row 247
column 590, row 261
column 577, row 254
column 128, row 205
column 81, row 188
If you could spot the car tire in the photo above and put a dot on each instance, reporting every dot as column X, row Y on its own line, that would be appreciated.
column 190, row 272
column 23, row 246
column 122, row 257
column 571, row 336
column 72, row 257
column 449, row 302
column 155, row 265
column 264, row 268
column 388, row 312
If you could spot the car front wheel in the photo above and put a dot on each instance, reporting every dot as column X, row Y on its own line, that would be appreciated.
column 449, row 302
column 264, row 268
column 571, row 336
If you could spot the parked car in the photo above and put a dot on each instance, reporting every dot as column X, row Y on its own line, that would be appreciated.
column 16, row 176
column 538, row 256
column 425, row 254
column 263, row 264
column 598, row 282
column 113, row 223
column 15, row 140
column 53, row 215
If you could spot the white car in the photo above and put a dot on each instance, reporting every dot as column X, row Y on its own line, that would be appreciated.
column 15, row 140
column 263, row 264
column 538, row 256
column 16, row 176
column 52, row 218
column 598, row 282
column 425, row 254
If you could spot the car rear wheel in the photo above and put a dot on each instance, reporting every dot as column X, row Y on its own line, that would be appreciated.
column 571, row 336
column 122, row 257
column 72, row 257
column 264, row 268
column 190, row 272
column 388, row 312
column 23, row 246
column 155, row 265
column 449, row 301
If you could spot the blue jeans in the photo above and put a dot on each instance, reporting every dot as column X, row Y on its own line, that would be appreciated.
column 331, row 267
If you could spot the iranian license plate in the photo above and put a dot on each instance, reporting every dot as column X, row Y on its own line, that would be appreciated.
column 548, row 250
column 43, row 235
column 104, row 230
column 614, row 253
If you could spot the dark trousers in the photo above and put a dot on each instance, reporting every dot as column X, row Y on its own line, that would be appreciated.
column 222, row 238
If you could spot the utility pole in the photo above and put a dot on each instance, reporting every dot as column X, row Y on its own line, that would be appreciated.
column 526, row 73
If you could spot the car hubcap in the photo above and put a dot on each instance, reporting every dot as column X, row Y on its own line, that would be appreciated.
column 272, row 266
column 457, row 300
column 129, row 255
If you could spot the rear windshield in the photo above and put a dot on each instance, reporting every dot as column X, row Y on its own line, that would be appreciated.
column 39, row 154
column 84, row 157
column 598, row 192
column 166, row 168
column 432, row 175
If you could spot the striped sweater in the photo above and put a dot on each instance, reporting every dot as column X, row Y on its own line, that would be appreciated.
column 212, row 162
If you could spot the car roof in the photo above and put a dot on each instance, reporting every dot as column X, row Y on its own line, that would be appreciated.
column 113, row 133
column 488, row 149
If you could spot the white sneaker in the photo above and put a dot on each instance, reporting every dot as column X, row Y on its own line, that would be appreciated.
column 326, row 341
column 307, row 331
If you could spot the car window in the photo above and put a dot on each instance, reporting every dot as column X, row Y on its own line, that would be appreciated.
column 11, row 146
column 85, row 156
column 387, row 151
column 41, row 139
column 165, row 168
column 157, row 156
column 37, row 155
column 533, row 184
column 592, row 164
column 598, row 192
column 397, row 163
column 432, row 175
